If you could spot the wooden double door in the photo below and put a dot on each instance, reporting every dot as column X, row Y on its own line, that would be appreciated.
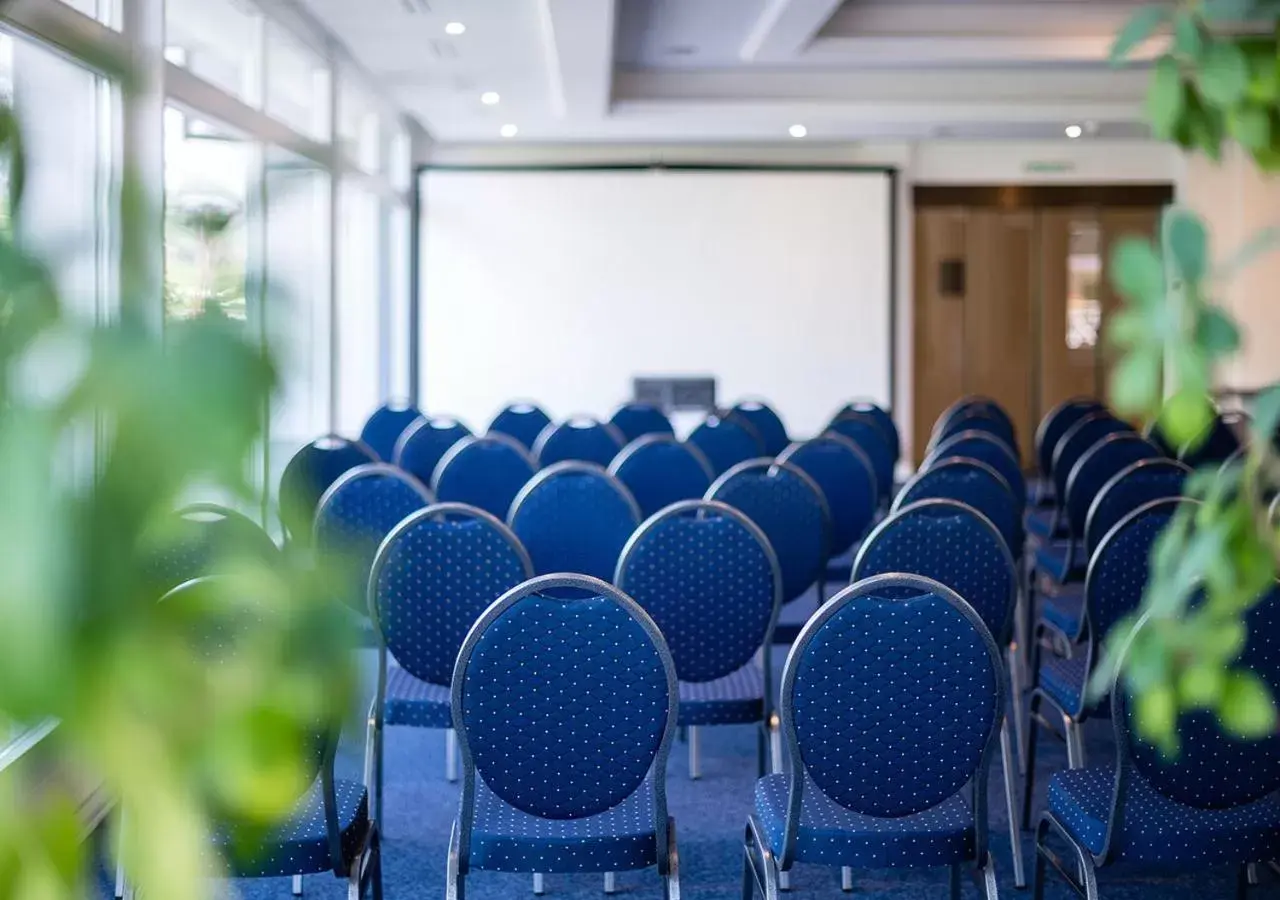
column 1012, row 296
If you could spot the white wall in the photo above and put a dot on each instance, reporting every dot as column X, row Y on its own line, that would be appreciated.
column 562, row 286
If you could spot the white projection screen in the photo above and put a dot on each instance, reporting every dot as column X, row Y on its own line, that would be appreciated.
column 560, row 286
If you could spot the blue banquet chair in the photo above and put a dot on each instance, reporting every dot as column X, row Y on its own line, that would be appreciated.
column 578, row 439
column 565, row 702
column 308, row 474
column 486, row 472
column 767, row 423
column 637, row 420
column 955, row 545
column 975, row 414
column 1052, row 427
column 1213, row 804
column 973, row 483
column 891, row 701
column 726, row 440
column 658, row 470
column 355, row 516
column 880, row 416
column 710, row 580
column 425, row 443
column 204, row 539
column 848, row 484
column 521, row 421
column 1130, row 488
column 1075, row 443
column 865, row 431
column 984, row 447
column 383, row 429
column 574, row 517
column 433, row 577
column 1214, row 447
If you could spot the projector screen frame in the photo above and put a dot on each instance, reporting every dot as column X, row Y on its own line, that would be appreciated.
column 416, row 236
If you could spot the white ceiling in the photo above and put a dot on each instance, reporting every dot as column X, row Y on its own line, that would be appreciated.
column 746, row 70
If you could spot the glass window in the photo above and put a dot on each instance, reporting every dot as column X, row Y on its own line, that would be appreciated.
column 358, row 362
column 398, row 330
column 219, row 41
column 206, row 184
column 1084, row 271
column 298, row 84
column 401, row 160
column 108, row 12
column 359, row 128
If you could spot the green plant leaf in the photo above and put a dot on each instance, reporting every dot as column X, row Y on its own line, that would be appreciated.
column 1187, row 40
column 1229, row 10
column 1201, row 686
column 1135, row 382
column 1217, row 333
column 1247, row 709
column 1251, row 126
column 1156, row 711
column 1165, row 98
column 1141, row 25
column 1136, row 271
column 1266, row 414
column 1188, row 244
column 1224, row 74
column 1186, row 416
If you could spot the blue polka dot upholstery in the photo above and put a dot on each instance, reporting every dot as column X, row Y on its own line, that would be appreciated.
column 658, row 470
column 636, row 420
column 881, row 417
column 848, row 483
column 434, row 576
column 565, row 706
column 1064, row 610
column 833, row 835
column 767, row 423
column 990, row 419
column 522, row 422
column 870, row 438
column 737, row 698
column 984, row 447
column 580, row 439
column 1135, row 486
column 1099, row 464
column 791, row 511
column 383, row 429
column 486, row 473
column 974, row 484
column 356, row 515
column 299, row 845
column 574, row 517
column 206, row 539
column 1065, row 680
column 726, row 441
column 1215, row 448
column 1062, row 559
column 423, row 445
column 1119, row 568
column 955, row 546
column 309, row 473
column 1055, row 424
column 1077, row 442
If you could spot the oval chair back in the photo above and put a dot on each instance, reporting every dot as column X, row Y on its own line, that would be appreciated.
column 891, row 700
column 1055, row 424
column 1212, row 770
column 1078, row 440
column 953, row 544
column 726, row 440
column 710, row 580
column 789, row 508
column 1099, row 464
column 485, row 472
column 434, row 575
column 574, row 517
column 767, row 423
column 355, row 516
column 636, row 420
column 975, row 484
column 579, row 439
column 989, row 418
column 1217, row 445
column 206, row 539
column 985, row 447
column 847, row 481
column 383, row 429
column 1132, row 487
column 521, row 421
column 658, row 470
column 425, row 443
column 871, row 439
column 881, row 417
column 564, row 701
column 309, row 473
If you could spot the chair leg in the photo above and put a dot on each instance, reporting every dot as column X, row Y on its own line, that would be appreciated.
column 766, row 877
column 455, row 882
column 378, row 780
column 1075, row 742
column 1029, row 780
column 297, row 885
column 988, row 874
column 671, row 884
column 121, row 881
column 610, row 883
column 1016, row 689
column 1015, row 841
column 451, row 755
column 1251, row 873
column 775, row 743
column 1242, row 883
column 784, row 881
column 955, row 881
column 846, row 879
column 695, row 753
column 538, row 888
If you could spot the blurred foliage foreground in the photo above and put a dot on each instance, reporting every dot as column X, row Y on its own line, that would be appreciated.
column 1217, row 80
column 103, row 431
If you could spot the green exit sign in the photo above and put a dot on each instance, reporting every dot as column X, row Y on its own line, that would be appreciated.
column 1044, row 167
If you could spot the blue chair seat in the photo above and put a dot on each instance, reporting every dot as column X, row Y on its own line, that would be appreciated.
column 1039, row 523
column 504, row 839
column 1064, row 680
column 831, row 835
column 1060, row 561
column 737, row 697
column 1160, row 830
column 1064, row 609
column 418, row 704
column 301, row 844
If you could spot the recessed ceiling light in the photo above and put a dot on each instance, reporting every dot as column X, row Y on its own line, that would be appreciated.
column 1074, row 131
column 455, row 28
column 509, row 131
column 490, row 98
column 798, row 131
